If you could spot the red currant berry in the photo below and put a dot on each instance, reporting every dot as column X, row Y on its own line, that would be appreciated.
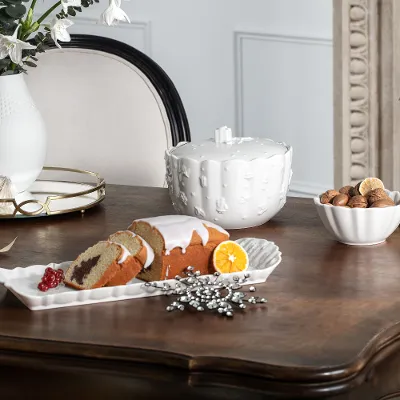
column 53, row 284
column 49, row 270
column 60, row 272
column 43, row 287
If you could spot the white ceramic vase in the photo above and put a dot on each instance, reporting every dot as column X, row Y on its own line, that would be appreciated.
column 22, row 133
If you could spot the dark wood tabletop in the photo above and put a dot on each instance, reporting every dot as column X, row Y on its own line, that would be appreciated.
column 330, row 327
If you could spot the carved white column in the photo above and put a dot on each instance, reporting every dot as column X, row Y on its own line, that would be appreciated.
column 389, row 62
column 356, row 62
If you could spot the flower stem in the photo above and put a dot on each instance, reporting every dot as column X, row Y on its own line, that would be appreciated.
column 32, row 7
column 48, row 12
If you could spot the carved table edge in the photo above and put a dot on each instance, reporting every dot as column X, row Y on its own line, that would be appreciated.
column 202, row 370
column 163, row 374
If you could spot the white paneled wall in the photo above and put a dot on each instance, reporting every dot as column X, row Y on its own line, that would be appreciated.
column 263, row 67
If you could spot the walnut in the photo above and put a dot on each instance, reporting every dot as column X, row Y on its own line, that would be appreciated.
column 388, row 202
column 358, row 202
column 346, row 189
column 328, row 196
column 376, row 195
column 340, row 200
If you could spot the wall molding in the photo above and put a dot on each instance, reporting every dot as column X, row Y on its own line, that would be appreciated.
column 306, row 189
column 239, row 38
column 144, row 26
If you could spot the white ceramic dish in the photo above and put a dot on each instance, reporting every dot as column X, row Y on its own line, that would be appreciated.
column 264, row 257
column 360, row 226
column 234, row 182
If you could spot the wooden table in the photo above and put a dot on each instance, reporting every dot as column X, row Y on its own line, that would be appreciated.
column 330, row 327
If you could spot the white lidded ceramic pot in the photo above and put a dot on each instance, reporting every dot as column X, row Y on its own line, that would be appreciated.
column 235, row 182
column 22, row 133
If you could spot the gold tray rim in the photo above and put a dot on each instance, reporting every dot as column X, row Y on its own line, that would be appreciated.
column 99, row 186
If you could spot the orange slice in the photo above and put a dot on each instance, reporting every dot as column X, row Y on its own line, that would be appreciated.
column 369, row 184
column 229, row 257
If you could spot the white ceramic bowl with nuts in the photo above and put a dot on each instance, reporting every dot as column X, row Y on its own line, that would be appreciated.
column 359, row 220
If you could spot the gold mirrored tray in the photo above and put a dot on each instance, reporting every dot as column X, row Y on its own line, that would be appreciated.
column 58, row 190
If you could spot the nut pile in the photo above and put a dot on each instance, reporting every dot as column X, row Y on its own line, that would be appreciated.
column 369, row 193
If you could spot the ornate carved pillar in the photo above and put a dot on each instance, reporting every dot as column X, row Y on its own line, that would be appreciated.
column 367, row 90
column 389, row 61
column 356, row 100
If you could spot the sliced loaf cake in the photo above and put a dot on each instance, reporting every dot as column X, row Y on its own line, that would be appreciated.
column 96, row 266
column 141, row 252
column 178, row 241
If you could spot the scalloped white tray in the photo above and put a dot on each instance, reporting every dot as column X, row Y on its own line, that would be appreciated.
column 264, row 257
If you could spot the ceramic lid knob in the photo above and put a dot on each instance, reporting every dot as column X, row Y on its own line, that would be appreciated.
column 223, row 135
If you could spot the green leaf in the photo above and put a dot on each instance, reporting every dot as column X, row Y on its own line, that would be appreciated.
column 16, row 11
column 79, row 9
column 11, row 2
column 6, row 20
column 71, row 11
column 30, row 64
column 8, row 73
column 5, row 63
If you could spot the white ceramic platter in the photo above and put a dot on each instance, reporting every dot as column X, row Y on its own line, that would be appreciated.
column 264, row 257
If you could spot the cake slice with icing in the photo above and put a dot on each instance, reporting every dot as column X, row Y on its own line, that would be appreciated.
column 98, row 265
column 141, row 252
column 178, row 241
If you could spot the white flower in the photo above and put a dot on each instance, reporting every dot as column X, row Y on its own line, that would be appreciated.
column 11, row 46
column 114, row 13
column 58, row 30
column 70, row 3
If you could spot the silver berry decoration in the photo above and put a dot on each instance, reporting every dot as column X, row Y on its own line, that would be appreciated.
column 207, row 293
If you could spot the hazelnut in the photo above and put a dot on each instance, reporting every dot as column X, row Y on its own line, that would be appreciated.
column 328, row 196
column 354, row 192
column 388, row 202
column 357, row 187
column 376, row 195
column 346, row 189
column 340, row 200
column 358, row 202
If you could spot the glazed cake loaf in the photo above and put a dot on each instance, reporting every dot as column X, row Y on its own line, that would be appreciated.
column 98, row 265
column 178, row 241
column 141, row 252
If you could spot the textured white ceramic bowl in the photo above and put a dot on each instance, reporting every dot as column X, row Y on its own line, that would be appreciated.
column 237, row 184
column 360, row 226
